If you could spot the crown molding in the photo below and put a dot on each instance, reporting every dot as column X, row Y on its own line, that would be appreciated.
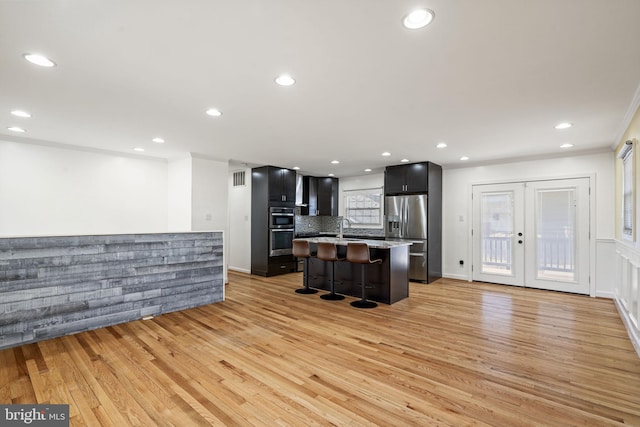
column 631, row 112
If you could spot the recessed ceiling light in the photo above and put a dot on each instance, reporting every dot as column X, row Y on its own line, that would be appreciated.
column 285, row 80
column 564, row 125
column 463, row 158
column 296, row 168
column 16, row 129
column 418, row 18
column 566, row 145
column 386, row 154
column 140, row 149
column 158, row 140
column 441, row 145
column 367, row 170
column 214, row 112
column 404, row 160
column 20, row 113
column 40, row 60
column 335, row 162
column 331, row 174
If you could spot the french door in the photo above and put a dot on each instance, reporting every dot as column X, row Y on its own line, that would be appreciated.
column 533, row 234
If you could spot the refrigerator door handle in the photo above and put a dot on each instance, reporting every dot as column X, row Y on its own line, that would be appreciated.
column 405, row 220
column 401, row 228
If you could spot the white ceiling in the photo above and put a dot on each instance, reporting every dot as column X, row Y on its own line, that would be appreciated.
column 490, row 78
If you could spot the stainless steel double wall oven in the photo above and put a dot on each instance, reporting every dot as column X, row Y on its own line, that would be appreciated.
column 281, row 230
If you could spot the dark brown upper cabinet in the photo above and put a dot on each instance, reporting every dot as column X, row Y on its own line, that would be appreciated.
column 406, row 179
column 282, row 185
column 320, row 195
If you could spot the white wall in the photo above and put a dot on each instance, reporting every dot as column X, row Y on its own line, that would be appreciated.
column 52, row 190
column 209, row 192
column 209, row 199
column 239, row 240
column 179, row 196
column 197, row 194
column 457, row 201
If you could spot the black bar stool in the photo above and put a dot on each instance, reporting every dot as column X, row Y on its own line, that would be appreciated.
column 301, row 250
column 328, row 252
column 358, row 253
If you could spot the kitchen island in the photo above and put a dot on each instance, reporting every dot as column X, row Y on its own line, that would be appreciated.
column 387, row 282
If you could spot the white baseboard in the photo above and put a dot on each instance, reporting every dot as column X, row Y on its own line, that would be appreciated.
column 240, row 270
column 456, row 276
column 628, row 324
column 605, row 294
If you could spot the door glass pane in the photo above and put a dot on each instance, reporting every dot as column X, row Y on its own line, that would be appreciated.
column 555, row 234
column 497, row 233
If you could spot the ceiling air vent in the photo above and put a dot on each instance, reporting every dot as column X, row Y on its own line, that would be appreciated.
column 238, row 179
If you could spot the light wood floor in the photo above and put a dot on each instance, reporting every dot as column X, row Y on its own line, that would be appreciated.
column 454, row 353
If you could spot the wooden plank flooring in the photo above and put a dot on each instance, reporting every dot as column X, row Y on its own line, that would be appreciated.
column 453, row 353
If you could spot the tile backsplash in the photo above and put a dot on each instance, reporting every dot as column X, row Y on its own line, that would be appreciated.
column 316, row 224
column 329, row 224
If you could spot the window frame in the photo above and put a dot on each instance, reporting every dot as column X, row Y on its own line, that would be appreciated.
column 347, row 198
column 628, row 221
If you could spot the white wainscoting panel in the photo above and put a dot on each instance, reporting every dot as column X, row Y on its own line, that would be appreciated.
column 627, row 289
column 605, row 268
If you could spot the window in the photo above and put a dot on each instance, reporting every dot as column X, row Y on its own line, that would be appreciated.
column 363, row 207
column 626, row 154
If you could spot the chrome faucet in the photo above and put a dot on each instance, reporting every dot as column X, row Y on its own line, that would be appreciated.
column 341, row 227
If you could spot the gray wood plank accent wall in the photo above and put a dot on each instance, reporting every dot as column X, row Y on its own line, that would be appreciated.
column 55, row 286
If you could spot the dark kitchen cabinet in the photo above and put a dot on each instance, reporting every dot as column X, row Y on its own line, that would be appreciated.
column 320, row 195
column 282, row 184
column 407, row 182
column 328, row 196
column 270, row 187
column 406, row 179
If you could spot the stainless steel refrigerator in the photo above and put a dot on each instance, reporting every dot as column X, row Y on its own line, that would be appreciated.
column 407, row 218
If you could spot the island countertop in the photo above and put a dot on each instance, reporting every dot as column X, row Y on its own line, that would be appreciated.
column 378, row 244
